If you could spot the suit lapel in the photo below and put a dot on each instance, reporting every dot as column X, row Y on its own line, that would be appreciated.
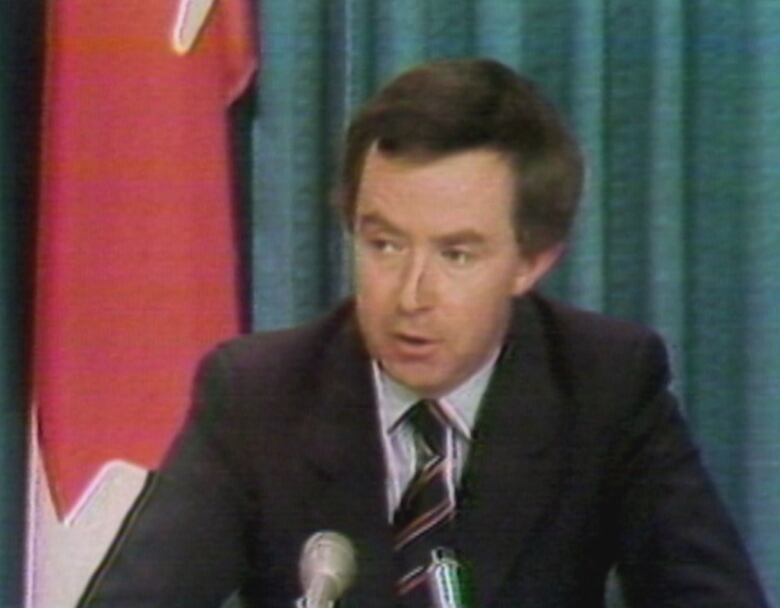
column 345, row 466
column 516, row 460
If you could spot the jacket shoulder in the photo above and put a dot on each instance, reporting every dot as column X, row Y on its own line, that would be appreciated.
column 601, row 353
column 272, row 374
column 587, row 327
column 285, row 352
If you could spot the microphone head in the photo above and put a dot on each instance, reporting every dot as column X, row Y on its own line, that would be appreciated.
column 327, row 565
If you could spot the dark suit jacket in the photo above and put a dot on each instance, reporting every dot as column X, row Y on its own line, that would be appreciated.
column 580, row 461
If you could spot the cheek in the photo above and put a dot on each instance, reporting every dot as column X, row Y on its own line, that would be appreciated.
column 481, row 314
column 376, row 281
column 372, row 297
column 368, row 286
column 483, row 293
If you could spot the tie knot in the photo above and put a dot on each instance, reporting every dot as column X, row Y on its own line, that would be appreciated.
column 430, row 423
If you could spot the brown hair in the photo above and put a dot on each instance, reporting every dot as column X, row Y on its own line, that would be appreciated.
column 451, row 106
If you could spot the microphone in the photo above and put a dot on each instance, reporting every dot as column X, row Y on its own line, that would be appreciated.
column 327, row 568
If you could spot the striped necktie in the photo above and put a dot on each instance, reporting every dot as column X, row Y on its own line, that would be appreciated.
column 428, row 504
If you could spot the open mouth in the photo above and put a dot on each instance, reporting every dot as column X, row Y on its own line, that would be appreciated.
column 413, row 345
column 413, row 340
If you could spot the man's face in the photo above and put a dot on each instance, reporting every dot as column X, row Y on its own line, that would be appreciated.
column 437, row 264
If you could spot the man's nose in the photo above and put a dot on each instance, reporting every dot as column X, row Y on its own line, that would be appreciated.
column 417, row 290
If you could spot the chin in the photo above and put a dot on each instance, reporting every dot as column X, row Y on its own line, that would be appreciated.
column 420, row 381
column 424, row 385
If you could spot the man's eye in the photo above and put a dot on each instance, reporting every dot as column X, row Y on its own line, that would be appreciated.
column 459, row 257
column 384, row 245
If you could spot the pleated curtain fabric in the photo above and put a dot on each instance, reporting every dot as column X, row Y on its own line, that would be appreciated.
column 677, row 105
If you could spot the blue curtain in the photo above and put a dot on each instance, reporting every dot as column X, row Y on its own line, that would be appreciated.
column 677, row 104
column 20, row 53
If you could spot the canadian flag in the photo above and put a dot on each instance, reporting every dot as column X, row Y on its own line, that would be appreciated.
column 137, row 256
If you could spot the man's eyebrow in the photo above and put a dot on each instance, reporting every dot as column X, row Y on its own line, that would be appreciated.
column 462, row 237
column 376, row 221
column 467, row 236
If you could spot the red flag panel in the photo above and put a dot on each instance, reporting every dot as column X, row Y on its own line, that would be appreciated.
column 137, row 257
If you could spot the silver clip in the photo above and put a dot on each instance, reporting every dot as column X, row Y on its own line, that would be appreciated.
column 445, row 575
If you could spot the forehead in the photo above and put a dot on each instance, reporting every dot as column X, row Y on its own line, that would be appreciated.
column 467, row 190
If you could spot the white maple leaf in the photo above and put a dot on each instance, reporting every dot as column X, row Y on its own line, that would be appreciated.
column 63, row 554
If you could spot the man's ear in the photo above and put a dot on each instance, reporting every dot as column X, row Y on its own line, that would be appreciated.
column 533, row 269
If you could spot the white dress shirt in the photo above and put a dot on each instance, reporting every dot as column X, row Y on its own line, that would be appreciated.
column 460, row 406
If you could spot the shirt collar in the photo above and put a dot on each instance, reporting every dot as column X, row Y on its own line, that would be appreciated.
column 460, row 405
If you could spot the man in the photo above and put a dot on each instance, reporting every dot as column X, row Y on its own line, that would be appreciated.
column 448, row 407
